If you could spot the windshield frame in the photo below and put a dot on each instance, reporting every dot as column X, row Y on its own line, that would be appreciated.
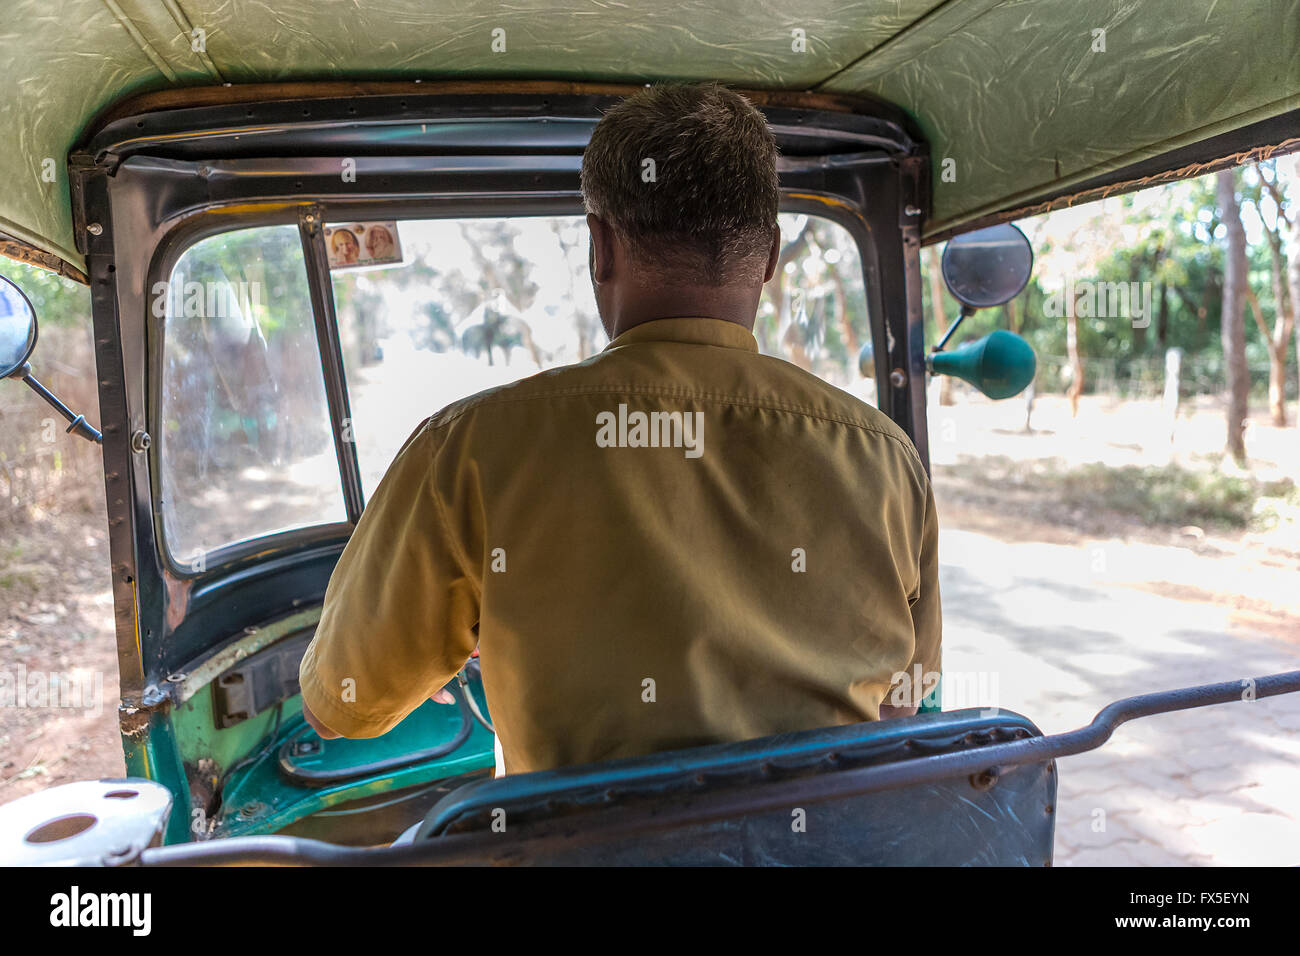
column 852, row 163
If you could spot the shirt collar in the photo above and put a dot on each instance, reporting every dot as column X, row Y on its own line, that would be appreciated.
column 694, row 331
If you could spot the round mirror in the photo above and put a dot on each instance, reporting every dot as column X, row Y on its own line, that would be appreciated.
column 867, row 361
column 17, row 328
column 987, row 267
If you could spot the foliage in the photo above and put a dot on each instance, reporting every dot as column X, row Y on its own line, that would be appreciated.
column 1168, row 495
column 1168, row 236
column 59, row 302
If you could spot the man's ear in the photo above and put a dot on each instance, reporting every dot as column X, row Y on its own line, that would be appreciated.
column 773, row 254
column 602, row 248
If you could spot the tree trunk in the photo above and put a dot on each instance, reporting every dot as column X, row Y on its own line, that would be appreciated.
column 1276, row 344
column 1209, row 293
column 1232, row 325
column 1139, row 332
column 1293, row 265
column 788, row 333
column 1162, row 321
column 1075, row 391
column 935, row 269
column 1279, row 339
column 847, row 332
column 1293, row 251
column 798, row 354
column 1277, row 387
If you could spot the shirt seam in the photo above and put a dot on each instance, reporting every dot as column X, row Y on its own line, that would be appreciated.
column 716, row 397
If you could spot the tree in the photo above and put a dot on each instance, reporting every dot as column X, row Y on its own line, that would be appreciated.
column 790, row 317
column 571, row 235
column 1278, row 340
column 1075, row 390
column 505, row 291
column 940, row 320
column 1232, row 327
column 1293, row 267
column 496, row 324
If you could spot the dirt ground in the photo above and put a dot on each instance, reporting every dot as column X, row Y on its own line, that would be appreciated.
column 56, row 618
column 56, row 610
column 993, row 477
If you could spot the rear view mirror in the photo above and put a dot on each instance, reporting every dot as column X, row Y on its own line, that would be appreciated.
column 987, row 267
column 17, row 340
column 867, row 361
column 17, row 328
column 982, row 269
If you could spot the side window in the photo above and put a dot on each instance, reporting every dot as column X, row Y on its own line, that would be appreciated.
column 245, row 447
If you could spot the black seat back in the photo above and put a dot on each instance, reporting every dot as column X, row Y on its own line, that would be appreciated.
column 713, row 805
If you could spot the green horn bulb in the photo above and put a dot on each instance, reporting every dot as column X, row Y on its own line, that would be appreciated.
column 1000, row 365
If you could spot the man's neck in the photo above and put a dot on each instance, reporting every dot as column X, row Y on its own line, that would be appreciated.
column 738, row 306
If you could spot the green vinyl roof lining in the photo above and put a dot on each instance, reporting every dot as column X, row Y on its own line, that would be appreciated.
column 1018, row 99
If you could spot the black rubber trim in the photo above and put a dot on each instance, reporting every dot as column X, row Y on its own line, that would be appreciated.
column 324, row 778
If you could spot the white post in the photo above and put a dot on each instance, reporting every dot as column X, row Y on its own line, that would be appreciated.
column 1173, row 375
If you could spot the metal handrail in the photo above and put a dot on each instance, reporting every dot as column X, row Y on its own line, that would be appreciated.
column 988, row 762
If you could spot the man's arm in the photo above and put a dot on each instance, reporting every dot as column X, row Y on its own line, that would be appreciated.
column 927, row 623
column 397, row 622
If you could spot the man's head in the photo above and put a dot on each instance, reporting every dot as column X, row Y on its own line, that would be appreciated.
column 680, row 186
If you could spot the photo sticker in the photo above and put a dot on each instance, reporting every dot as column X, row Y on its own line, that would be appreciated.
column 356, row 245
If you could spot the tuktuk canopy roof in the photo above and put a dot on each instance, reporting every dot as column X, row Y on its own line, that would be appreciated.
column 1020, row 100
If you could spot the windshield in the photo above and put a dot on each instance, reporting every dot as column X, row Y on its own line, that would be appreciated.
column 477, row 303
column 429, row 311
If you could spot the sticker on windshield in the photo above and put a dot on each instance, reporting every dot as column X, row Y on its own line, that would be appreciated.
column 353, row 245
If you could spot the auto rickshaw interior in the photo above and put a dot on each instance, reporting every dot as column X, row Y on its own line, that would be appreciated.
column 273, row 406
column 289, row 271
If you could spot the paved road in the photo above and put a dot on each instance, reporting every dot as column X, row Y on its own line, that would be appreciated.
column 1056, row 632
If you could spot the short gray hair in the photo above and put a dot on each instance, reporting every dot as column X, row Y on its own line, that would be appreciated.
column 686, row 176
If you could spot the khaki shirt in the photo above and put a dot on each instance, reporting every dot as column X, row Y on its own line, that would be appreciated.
column 674, row 543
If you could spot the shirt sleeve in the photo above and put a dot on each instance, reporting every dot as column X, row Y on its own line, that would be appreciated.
column 400, row 608
column 927, row 622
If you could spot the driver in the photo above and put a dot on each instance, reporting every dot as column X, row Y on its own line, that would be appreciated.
column 677, row 542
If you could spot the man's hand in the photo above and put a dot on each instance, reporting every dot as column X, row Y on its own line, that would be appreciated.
column 889, row 711
column 321, row 730
column 443, row 696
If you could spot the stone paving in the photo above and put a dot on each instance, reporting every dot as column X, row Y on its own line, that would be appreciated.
column 1057, row 632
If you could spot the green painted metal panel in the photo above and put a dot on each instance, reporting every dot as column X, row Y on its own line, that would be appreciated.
column 154, row 754
column 260, row 799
